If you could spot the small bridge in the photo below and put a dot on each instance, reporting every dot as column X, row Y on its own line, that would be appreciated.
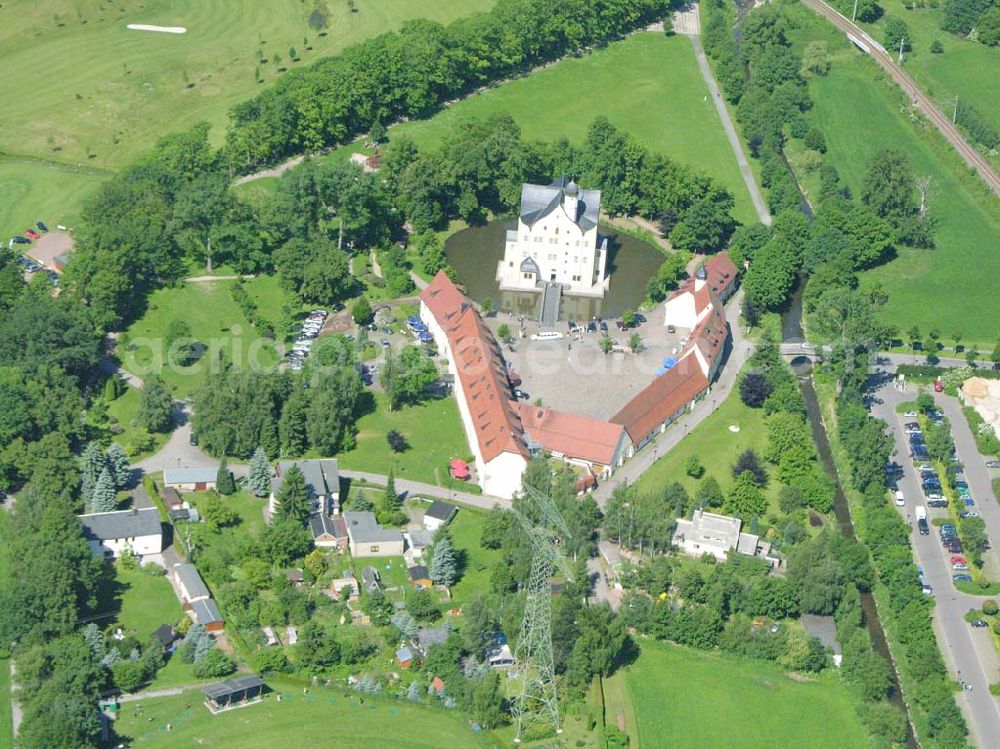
column 793, row 350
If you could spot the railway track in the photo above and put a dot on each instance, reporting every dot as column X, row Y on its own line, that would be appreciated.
column 943, row 123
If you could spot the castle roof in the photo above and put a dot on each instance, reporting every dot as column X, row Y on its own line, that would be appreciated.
column 538, row 201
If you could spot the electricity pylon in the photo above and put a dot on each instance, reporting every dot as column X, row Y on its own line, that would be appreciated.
column 537, row 702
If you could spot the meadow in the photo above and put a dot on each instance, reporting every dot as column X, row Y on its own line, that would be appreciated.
column 81, row 87
column 712, row 701
column 659, row 106
column 297, row 722
column 952, row 286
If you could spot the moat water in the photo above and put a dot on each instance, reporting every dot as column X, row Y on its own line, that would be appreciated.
column 475, row 252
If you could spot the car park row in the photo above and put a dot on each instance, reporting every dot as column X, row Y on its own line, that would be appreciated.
column 303, row 342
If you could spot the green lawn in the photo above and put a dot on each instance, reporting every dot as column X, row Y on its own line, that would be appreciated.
column 647, row 84
column 125, row 408
column 81, row 87
column 710, row 701
column 146, row 603
column 35, row 191
column 216, row 322
column 433, row 430
column 952, row 286
column 465, row 530
column 966, row 69
column 249, row 508
column 715, row 446
column 297, row 722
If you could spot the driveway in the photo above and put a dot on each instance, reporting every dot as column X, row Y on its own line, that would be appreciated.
column 178, row 451
column 968, row 653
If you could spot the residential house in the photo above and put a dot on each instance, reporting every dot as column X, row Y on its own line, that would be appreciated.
column 167, row 635
column 427, row 636
column 404, row 657
column 322, row 481
column 418, row 540
column 481, row 385
column 718, row 535
column 171, row 499
column 438, row 514
column 295, row 577
column 556, row 241
column 500, row 656
column 419, row 577
column 369, row 539
column 329, row 531
column 110, row 533
column 194, row 479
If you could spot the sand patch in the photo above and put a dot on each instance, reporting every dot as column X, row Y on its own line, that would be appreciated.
column 161, row 29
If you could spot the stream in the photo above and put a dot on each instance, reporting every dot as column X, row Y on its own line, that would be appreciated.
column 791, row 330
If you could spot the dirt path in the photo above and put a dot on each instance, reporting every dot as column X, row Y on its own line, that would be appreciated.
column 923, row 103
column 274, row 171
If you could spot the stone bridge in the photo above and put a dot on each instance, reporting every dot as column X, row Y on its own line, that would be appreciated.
column 792, row 350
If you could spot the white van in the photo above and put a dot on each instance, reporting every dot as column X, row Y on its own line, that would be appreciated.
column 900, row 501
column 547, row 335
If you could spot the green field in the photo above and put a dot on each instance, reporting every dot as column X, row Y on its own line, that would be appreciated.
column 966, row 69
column 466, row 530
column 433, row 430
column 320, row 718
column 710, row 701
column 716, row 447
column 125, row 408
column 80, row 86
column 36, row 191
column 954, row 285
column 216, row 322
column 647, row 84
column 146, row 603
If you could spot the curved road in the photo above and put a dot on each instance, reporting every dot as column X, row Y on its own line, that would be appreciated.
column 943, row 123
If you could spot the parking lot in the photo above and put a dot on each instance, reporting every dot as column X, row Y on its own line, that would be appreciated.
column 573, row 374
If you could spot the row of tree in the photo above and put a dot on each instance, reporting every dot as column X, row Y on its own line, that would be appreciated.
column 409, row 73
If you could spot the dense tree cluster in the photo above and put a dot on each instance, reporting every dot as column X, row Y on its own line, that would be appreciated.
column 411, row 72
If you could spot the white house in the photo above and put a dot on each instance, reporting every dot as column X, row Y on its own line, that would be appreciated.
column 110, row 533
column 481, row 384
column 322, row 485
column 708, row 533
column 369, row 539
column 556, row 240
column 438, row 514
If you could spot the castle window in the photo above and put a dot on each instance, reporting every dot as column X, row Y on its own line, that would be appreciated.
column 576, row 278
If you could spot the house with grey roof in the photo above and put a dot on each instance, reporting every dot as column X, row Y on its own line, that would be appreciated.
column 322, row 484
column 718, row 535
column 189, row 583
column 438, row 514
column 110, row 533
column 556, row 242
column 369, row 539
column 190, row 479
column 328, row 531
column 205, row 611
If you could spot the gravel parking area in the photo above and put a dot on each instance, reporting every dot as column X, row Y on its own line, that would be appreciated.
column 573, row 374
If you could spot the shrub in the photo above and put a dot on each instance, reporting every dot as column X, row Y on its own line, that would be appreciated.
column 754, row 390
column 936, row 47
column 694, row 468
column 990, row 607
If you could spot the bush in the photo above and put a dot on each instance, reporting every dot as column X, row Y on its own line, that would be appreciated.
column 213, row 665
column 937, row 48
column 754, row 390
column 990, row 607
column 694, row 468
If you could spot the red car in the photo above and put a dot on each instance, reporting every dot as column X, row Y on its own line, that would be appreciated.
column 31, row 234
column 938, row 386
column 959, row 560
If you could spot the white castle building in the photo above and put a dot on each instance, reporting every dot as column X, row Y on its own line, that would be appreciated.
column 556, row 241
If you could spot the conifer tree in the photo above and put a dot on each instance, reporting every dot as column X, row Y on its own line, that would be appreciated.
column 293, row 496
column 103, row 497
column 444, row 570
column 259, row 476
column 91, row 465
column 118, row 463
column 224, row 483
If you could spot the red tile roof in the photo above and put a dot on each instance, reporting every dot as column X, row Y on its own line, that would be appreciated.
column 480, row 368
column 571, row 435
column 711, row 333
column 661, row 399
column 721, row 274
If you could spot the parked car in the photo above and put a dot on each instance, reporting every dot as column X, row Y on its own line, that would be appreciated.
column 193, row 439
column 910, row 415
column 961, row 567
column 547, row 335
column 604, row 326
column 384, row 342
column 592, row 327
column 979, row 623
column 639, row 318
column 993, row 463
column 969, row 502
column 41, row 225
column 912, row 426
column 968, row 514
column 521, row 395
column 900, row 501
column 955, row 547
column 958, row 560
column 962, row 578
column 32, row 234
column 20, row 240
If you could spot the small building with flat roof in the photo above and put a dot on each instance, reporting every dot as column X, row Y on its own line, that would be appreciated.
column 207, row 613
column 718, row 535
column 439, row 514
column 190, row 584
column 369, row 539
column 243, row 690
column 193, row 479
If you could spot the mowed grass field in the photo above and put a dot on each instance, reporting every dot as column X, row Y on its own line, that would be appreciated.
column 320, row 718
column 953, row 286
column 689, row 699
column 35, row 191
column 81, row 87
column 648, row 85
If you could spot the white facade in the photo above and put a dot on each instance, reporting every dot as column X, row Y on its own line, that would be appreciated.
column 689, row 305
column 140, row 546
column 709, row 533
column 556, row 240
column 109, row 534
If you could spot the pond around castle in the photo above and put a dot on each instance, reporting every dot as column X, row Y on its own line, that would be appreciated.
column 475, row 252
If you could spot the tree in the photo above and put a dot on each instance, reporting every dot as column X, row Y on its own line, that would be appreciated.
column 179, row 346
column 377, row 606
column 390, row 509
column 635, row 343
column 710, row 494
column 397, row 442
column 406, row 624
column 118, row 463
column 284, row 541
column 293, row 496
column 503, row 331
column 315, row 270
column 443, row 569
column 754, row 389
column 421, row 604
column 407, row 376
column 377, row 133
column 104, row 497
column 156, row 406
column 896, row 31
column 293, row 432
column 201, row 206
column 694, row 468
column 746, row 500
column 889, row 189
column 259, row 476
column 217, row 513
column 92, row 463
column 485, row 699
column 361, row 311
column 771, row 275
column 224, row 483
column 214, row 665
column 605, row 343
column 988, row 27
column 816, row 58
column 936, row 47
column 316, row 649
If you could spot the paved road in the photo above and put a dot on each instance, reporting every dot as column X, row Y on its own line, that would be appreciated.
column 968, row 652
column 734, row 139
column 482, row 501
column 178, row 451
column 937, row 118
column 666, row 441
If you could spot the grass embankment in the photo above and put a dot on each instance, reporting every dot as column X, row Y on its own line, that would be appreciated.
column 648, row 85
column 689, row 699
column 297, row 720
column 921, row 284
